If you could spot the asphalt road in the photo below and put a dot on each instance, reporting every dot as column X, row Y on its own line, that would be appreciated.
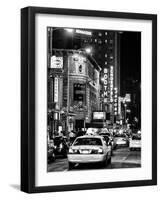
column 121, row 158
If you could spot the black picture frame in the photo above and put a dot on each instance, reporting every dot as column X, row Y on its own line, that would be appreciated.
column 28, row 92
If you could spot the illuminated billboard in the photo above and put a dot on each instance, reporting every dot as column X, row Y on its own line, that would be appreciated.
column 99, row 115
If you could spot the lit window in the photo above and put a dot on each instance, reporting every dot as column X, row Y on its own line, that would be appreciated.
column 106, row 63
column 100, row 34
column 100, row 41
column 105, row 41
column 105, row 33
column 106, row 55
column 95, row 40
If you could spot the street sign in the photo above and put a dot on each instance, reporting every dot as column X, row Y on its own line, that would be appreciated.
column 128, row 98
column 56, row 62
column 83, row 32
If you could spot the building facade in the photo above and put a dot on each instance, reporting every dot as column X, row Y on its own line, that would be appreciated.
column 73, row 90
column 106, row 50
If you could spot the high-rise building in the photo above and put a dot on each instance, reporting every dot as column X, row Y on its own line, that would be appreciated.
column 105, row 46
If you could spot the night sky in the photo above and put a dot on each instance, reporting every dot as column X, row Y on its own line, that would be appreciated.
column 130, row 56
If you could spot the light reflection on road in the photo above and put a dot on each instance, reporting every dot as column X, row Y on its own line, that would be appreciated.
column 121, row 158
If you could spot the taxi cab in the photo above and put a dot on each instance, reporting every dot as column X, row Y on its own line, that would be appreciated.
column 135, row 142
column 89, row 149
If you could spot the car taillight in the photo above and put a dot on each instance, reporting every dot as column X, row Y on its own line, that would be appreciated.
column 61, row 146
column 97, row 151
column 73, row 151
column 100, row 150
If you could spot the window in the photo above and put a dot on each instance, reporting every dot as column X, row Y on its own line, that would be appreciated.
column 79, row 92
column 88, row 141
column 99, row 41
column 80, row 68
column 100, row 34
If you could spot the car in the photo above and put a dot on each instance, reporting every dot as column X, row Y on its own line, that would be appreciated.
column 51, row 152
column 121, row 140
column 60, row 146
column 109, row 137
column 135, row 142
column 92, row 131
column 89, row 149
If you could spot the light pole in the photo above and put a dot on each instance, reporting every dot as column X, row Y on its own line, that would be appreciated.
column 125, row 105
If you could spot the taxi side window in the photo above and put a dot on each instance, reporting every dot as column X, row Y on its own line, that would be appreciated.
column 105, row 142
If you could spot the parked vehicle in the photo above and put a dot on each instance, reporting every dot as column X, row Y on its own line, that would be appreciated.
column 51, row 152
column 61, row 146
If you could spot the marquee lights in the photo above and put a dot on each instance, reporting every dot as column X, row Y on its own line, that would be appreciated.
column 111, row 83
column 83, row 32
column 105, row 85
column 56, row 90
column 116, row 101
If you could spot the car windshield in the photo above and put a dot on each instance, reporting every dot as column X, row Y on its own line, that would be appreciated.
column 108, row 134
column 88, row 141
column 120, row 135
column 136, row 137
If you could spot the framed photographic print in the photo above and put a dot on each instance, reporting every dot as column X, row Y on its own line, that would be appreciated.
column 88, row 99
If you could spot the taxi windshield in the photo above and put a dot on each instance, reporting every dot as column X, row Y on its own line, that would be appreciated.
column 136, row 137
column 88, row 141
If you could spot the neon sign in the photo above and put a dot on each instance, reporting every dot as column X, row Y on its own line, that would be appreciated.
column 111, row 83
column 105, row 85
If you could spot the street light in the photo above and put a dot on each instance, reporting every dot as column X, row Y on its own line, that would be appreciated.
column 88, row 50
column 69, row 30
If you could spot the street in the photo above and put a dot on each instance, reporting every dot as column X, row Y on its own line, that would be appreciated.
column 121, row 158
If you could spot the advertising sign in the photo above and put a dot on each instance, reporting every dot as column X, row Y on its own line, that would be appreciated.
column 105, row 85
column 99, row 115
column 128, row 98
column 56, row 90
column 56, row 62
